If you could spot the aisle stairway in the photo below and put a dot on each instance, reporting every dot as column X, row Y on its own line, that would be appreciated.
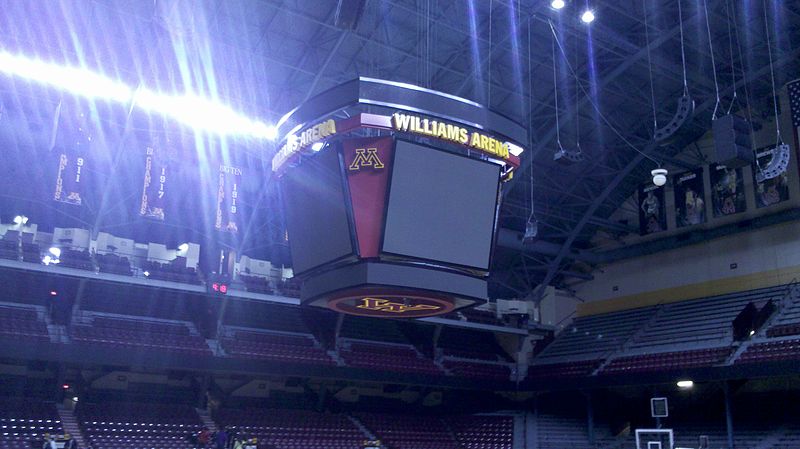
column 70, row 424
column 205, row 417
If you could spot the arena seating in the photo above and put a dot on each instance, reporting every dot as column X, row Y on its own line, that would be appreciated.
column 9, row 247
column 482, row 432
column 768, row 351
column 788, row 323
column 256, row 284
column 567, row 369
column 558, row 432
column 591, row 337
column 31, row 252
column 175, row 271
column 112, row 263
column 137, row 426
column 391, row 357
column 359, row 328
column 698, row 321
column 80, row 259
column 667, row 361
column 23, row 422
column 293, row 429
column 410, row 431
column 468, row 344
column 167, row 336
column 478, row 370
column 22, row 323
column 294, row 348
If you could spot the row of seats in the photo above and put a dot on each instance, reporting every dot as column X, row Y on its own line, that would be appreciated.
column 667, row 361
column 22, row 323
column 771, row 351
column 138, row 333
column 278, row 347
column 387, row 357
column 138, row 425
column 25, row 421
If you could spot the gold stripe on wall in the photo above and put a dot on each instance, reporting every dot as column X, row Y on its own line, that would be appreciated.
column 699, row 290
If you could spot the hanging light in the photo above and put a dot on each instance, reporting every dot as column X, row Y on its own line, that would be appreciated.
column 587, row 16
column 558, row 4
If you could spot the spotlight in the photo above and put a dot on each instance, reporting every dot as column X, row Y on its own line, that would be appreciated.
column 53, row 293
column 557, row 4
column 183, row 247
column 685, row 384
column 587, row 16
column 56, row 252
column 317, row 146
column 659, row 176
column 752, row 332
column 74, row 399
column 146, row 274
column 20, row 220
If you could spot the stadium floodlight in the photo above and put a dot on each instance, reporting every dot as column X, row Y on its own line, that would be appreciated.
column 558, row 4
column 56, row 252
column 192, row 110
column 685, row 384
column 588, row 16
column 200, row 113
column 78, row 81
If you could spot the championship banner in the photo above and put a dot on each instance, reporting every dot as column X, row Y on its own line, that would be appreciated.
column 652, row 209
column 230, row 180
column 770, row 191
column 368, row 164
column 70, row 178
column 154, row 190
column 690, row 208
column 727, row 190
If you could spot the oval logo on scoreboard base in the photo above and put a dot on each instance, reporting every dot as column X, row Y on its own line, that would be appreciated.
column 390, row 304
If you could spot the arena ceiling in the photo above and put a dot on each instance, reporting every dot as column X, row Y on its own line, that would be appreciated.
column 264, row 57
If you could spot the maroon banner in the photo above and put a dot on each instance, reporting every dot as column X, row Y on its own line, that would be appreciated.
column 154, row 191
column 230, row 179
column 69, row 178
column 368, row 164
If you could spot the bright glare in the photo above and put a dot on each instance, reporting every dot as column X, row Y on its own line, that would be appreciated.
column 588, row 16
column 192, row 110
column 317, row 146
column 146, row 273
column 557, row 4
column 271, row 132
column 74, row 399
column 20, row 220
column 56, row 252
column 685, row 384
column 183, row 247
column 78, row 81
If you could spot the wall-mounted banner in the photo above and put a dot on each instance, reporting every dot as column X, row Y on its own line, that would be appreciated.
column 228, row 200
column 727, row 190
column 771, row 191
column 690, row 208
column 70, row 178
column 652, row 209
column 154, row 190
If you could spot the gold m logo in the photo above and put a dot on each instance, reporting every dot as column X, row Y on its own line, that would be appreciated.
column 366, row 158
column 384, row 305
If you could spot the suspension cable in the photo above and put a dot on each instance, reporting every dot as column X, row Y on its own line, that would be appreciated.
column 772, row 75
column 650, row 67
column 683, row 50
column 713, row 62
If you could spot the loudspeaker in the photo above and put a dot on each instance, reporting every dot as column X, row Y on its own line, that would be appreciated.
column 733, row 146
column 681, row 117
column 348, row 13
